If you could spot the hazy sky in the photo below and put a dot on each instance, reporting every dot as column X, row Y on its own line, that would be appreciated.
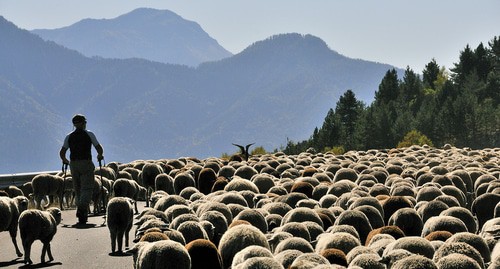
column 397, row 32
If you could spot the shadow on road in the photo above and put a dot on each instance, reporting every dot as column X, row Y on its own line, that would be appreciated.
column 41, row 265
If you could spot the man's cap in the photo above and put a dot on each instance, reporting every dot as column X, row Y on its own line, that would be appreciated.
column 78, row 118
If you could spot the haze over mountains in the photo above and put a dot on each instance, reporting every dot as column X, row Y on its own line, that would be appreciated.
column 156, row 35
column 275, row 89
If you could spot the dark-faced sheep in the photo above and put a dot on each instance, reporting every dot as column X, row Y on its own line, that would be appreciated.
column 38, row 225
column 10, row 209
column 119, row 217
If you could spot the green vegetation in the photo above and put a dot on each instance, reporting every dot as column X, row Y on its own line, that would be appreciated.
column 460, row 107
column 414, row 137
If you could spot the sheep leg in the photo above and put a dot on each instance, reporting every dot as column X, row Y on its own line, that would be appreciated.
column 46, row 251
column 120, row 240
column 127, row 233
column 14, row 241
column 113, row 240
column 61, row 196
column 135, row 207
column 27, row 251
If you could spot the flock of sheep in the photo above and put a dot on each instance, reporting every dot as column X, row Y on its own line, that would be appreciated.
column 414, row 207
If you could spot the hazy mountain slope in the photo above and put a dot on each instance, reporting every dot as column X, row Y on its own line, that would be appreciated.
column 276, row 88
column 156, row 35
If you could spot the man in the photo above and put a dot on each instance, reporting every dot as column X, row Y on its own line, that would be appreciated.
column 80, row 142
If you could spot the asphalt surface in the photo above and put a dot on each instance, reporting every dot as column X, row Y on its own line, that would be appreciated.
column 73, row 246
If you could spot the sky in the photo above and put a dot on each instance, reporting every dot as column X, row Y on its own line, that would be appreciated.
column 397, row 32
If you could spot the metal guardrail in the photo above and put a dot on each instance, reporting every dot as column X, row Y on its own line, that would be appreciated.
column 20, row 178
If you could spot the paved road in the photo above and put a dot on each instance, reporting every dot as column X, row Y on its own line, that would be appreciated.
column 82, row 247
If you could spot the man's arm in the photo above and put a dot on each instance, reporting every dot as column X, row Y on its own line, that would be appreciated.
column 100, row 152
column 62, row 155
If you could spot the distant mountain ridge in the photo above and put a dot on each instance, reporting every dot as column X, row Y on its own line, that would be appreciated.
column 155, row 35
column 275, row 89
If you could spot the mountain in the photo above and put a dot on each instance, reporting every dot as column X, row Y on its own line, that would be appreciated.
column 275, row 89
column 156, row 35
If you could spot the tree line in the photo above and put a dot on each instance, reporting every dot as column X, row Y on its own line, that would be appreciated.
column 458, row 107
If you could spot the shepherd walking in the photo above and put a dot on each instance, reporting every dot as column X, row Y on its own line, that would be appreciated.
column 80, row 142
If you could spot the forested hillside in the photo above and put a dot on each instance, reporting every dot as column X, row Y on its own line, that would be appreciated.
column 459, row 107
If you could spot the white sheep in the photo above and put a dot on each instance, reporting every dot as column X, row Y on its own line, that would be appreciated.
column 119, row 217
column 10, row 209
column 160, row 254
column 250, row 252
column 238, row 238
column 40, row 225
column 47, row 184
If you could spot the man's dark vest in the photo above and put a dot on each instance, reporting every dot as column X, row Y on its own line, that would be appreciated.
column 80, row 145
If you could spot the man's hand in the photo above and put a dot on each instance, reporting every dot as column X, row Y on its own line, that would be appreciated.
column 65, row 161
column 100, row 157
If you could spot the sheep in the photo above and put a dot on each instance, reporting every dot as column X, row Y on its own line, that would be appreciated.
column 408, row 220
column 204, row 254
column 394, row 231
column 206, row 180
column 308, row 261
column 153, row 235
column 484, row 206
column 176, row 210
column 250, row 252
column 218, row 221
column 183, row 180
column 301, row 214
column 414, row 262
column 245, row 172
column 119, row 217
column 392, row 204
column 237, row 238
column 458, row 261
column 339, row 240
column 216, row 206
column 47, row 184
column 14, row 191
column 192, row 230
column 164, row 182
column 297, row 229
column 10, row 209
column 368, row 260
column 240, row 184
column 183, row 218
column 414, row 244
column 459, row 248
column 374, row 217
column 148, row 175
column 335, row 257
column 40, row 225
column 27, row 188
column 463, row 214
column 356, row 219
column 160, row 254
column 123, row 187
column 475, row 241
column 297, row 243
column 443, row 223
column 286, row 257
column 254, row 217
column 167, row 201
column 264, row 182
